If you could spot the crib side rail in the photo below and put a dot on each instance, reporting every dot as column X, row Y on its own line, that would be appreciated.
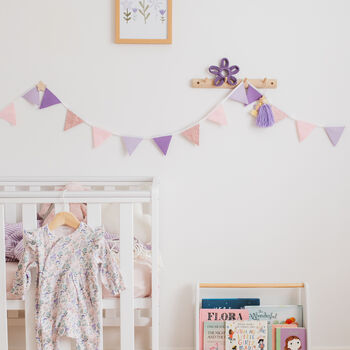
column 3, row 308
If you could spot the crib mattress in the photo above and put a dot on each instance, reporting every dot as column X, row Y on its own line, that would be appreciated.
column 142, row 280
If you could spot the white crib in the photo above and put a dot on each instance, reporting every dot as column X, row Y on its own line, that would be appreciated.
column 20, row 197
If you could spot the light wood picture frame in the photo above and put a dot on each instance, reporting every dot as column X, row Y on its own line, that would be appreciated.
column 143, row 21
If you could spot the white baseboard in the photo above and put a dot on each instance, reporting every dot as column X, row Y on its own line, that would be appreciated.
column 314, row 348
column 190, row 348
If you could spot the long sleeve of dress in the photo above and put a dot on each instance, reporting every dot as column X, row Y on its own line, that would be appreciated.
column 28, row 261
column 109, row 269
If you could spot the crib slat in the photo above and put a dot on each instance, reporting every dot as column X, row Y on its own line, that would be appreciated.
column 10, row 213
column 94, row 215
column 155, row 263
column 94, row 220
column 30, row 223
column 3, row 308
column 127, row 338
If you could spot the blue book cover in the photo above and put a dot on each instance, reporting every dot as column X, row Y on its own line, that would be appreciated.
column 231, row 303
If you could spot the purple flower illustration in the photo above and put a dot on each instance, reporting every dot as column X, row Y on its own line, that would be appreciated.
column 162, row 13
column 134, row 10
column 224, row 73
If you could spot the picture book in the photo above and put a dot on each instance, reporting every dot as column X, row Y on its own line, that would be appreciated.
column 246, row 335
column 219, row 315
column 292, row 339
column 230, row 303
column 214, row 335
column 274, row 327
column 277, row 313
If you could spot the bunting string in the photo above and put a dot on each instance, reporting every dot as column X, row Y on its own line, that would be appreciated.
column 41, row 97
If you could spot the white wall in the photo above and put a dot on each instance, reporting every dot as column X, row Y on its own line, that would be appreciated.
column 248, row 204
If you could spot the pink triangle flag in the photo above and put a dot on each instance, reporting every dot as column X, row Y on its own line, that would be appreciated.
column 304, row 129
column 99, row 136
column 278, row 115
column 9, row 114
column 239, row 94
column 131, row 143
column 49, row 99
column 163, row 143
column 252, row 94
column 71, row 120
column 334, row 133
column 218, row 115
column 33, row 96
column 192, row 134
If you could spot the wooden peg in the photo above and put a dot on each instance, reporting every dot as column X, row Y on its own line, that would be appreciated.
column 258, row 83
column 245, row 81
column 41, row 86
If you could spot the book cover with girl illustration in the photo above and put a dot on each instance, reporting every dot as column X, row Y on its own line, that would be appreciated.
column 291, row 339
column 246, row 335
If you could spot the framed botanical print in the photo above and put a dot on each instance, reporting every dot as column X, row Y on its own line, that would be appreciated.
column 144, row 21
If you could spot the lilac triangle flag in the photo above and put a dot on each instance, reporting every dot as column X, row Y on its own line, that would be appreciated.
column 163, row 143
column 239, row 94
column 49, row 99
column 32, row 96
column 131, row 143
column 334, row 133
column 252, row 94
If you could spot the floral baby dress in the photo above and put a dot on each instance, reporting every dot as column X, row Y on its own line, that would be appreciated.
column 69, row 267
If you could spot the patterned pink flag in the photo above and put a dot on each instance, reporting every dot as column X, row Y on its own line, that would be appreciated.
column 99, row 136
column 9, row 114
column 192, row 134
column 218, row 115
column 131, row 143
column 71, row 120
column 278, row 115
column 304, row 129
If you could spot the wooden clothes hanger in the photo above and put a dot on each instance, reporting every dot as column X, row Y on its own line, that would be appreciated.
column 64, row 218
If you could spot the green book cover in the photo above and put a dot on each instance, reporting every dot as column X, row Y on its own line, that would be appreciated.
column 278, row 338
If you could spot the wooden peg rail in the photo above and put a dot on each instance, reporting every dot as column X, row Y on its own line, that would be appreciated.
column 258, row 83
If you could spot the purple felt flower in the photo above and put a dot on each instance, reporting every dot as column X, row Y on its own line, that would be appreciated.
column 224, row 73
column 162, row 12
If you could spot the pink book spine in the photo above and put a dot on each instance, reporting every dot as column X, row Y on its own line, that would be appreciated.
column 219, row 315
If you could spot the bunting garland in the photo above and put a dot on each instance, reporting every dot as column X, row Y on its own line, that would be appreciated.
column 192, row 134
column 33, row 96
column 304, row 129
column 72, row 120
column 99, row 136
column 217, row 115
column 49, row 99
column 131, row 143
column 163, row 143
column 334, row 133
column 9, row 114
column 241, row 94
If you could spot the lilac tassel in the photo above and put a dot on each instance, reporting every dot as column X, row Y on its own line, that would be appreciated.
column 265, row 117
